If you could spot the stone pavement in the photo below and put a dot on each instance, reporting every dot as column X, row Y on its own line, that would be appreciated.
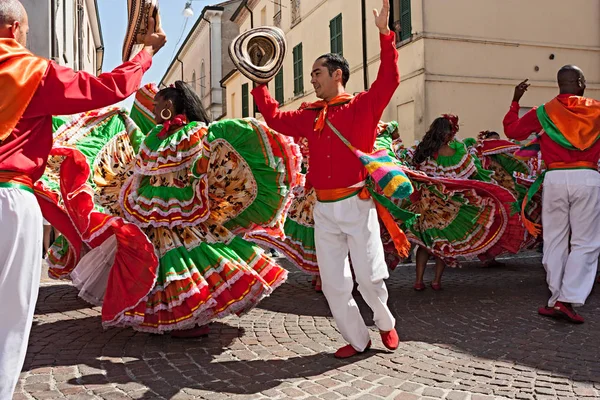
column 480, row 338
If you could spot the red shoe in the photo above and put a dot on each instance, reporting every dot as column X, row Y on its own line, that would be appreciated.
column 419, row 286
column 390, row 339
column 436, row 286
column 566, row 310
column 318, row 287
column 199, row 331
column 548, row 312
column 349, row 351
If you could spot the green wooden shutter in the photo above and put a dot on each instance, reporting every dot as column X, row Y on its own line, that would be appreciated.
column 279, row 87
column 405, row 19
column 335, row 35
column 298, row 74
column 245, row 107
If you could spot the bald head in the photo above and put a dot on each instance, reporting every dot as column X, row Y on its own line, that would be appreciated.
column 13, row 21
column 571, row 80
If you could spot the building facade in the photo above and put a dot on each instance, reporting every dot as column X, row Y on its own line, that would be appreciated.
column 459, row 56
column 203, row 58
column 67, row 32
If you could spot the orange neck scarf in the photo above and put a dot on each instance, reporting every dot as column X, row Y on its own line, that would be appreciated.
column 323, row 107
column 20, row 75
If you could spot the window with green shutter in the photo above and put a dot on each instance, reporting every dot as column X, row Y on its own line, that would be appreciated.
column 298, row 74
column 245, row 106
column 279, row 87
column 400, row 16
column 335, row 35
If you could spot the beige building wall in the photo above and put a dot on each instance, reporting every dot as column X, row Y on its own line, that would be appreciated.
column 464, row 56
column 202, row 60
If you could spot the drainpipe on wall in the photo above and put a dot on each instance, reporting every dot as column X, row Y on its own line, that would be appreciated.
column 99, row 59
column 209, row 62
column 53, row 40
column 181, row 68
column 80, row 57
column 251, row 27
column 251, row 15
column 363, row 10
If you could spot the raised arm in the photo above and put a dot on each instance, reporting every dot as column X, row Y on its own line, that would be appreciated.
column 290, row 123
column 520, row 128
column 388, row 76
column 64, row 91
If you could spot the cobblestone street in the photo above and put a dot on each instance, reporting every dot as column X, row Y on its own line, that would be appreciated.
column 480, row 338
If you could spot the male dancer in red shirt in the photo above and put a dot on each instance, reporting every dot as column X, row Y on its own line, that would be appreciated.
column 34, row 89
column 343, row 221
column 570, row 128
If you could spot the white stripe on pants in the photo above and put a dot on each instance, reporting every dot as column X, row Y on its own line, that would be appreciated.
column 571, row 205
column 20, row 269
column 352, row 225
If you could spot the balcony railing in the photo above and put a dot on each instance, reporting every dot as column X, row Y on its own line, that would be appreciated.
column 277, row 19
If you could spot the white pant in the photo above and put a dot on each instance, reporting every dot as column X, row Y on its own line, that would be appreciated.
column 571, row 205
column 20, row 269
column 352, row 224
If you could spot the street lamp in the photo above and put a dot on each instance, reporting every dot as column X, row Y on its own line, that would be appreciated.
column 188, row 11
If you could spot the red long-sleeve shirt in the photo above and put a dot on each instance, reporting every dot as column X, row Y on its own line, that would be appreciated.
column 520, row 129
column 62, row 92
column 332, row 164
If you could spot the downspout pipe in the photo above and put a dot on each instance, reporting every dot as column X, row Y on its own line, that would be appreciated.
column 363, row 11
column 251, row 15
column 251, row 27
column 80, row 55
column 209, row 59
column 181, row 62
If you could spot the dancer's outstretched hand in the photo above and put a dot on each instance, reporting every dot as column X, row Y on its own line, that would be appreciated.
column 382, row 17
column 520, row 90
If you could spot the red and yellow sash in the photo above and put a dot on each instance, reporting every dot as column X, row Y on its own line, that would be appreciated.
column 399, row 239
column 20, row 75
column 15, row 180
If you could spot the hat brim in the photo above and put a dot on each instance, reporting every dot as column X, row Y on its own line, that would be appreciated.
column 138, row 12
column 271, row 40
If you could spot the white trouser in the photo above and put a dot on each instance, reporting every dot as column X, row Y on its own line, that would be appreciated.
column 352, row 224
column 20, row 269
column 571, row 205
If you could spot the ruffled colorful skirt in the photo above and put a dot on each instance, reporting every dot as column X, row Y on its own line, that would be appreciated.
column 462, row 218
column 158, row 278
column 298, row 243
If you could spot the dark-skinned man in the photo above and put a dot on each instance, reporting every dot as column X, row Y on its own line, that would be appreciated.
column 569, row 129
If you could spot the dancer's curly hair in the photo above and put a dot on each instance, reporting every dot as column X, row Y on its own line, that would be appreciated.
column 442, row 129
column 487, row 134
column 185, row 101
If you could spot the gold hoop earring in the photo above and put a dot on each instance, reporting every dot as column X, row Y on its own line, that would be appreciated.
column 162, row 115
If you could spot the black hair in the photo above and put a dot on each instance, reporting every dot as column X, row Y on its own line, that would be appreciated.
column 333, row 62
column 488, row 134
column 434, row 139
column 185, row 101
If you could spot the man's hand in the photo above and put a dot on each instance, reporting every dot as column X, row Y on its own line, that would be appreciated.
column 154, row 39
column 382, row 17
column 520, row 90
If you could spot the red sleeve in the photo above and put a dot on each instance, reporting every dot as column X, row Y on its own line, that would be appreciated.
column 291, row 123
column 520, row 128
column 64, row 91
column 388, row 77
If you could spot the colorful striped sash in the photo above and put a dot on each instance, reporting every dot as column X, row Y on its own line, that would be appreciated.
column 382, row 168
